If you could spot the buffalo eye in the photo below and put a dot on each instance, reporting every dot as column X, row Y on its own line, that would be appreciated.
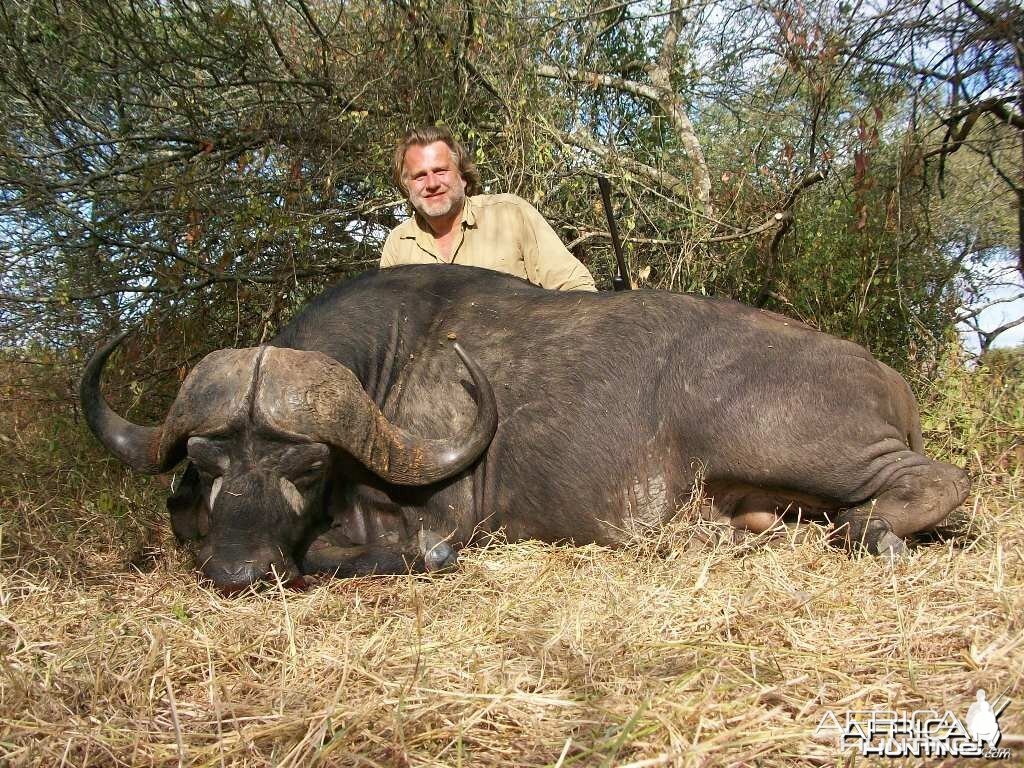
column 208, row 456
column 308, row 476
column 304, row 464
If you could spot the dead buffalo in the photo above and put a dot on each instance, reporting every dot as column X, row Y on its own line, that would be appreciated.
column 362, row 440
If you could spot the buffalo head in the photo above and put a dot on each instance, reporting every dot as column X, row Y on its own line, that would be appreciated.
column 261, row 428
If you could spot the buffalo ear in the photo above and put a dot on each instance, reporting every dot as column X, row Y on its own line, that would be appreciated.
column 184, row 505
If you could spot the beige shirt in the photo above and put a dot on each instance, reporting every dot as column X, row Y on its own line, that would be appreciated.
column 500, row 232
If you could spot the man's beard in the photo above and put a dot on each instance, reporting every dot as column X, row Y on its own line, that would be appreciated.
column 440, row 207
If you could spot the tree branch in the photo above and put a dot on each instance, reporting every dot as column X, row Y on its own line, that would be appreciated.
column 975, row 311
column 785, row 219
column 663, row 95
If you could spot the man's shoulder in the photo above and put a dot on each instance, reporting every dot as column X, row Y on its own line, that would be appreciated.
column 504, row 199
column 405, row 229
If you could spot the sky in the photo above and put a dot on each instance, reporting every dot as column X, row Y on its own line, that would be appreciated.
column 1012, row 285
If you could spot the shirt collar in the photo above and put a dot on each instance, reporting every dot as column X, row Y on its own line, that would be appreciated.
column 468, row 213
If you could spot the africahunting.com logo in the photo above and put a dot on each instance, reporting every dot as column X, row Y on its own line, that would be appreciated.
column 921, row 733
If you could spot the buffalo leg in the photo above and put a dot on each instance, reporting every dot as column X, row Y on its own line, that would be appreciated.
column 366, row 560
column 914, row 499
column 333, row 552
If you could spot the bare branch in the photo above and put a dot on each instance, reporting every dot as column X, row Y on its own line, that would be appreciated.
column 975, row 311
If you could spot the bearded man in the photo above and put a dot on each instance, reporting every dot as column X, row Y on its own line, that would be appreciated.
column 454, row 224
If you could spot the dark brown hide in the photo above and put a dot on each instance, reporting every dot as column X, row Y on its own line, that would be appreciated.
column 608, row 409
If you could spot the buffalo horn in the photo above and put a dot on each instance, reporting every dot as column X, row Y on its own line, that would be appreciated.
column 313, row 395
column 135, row 445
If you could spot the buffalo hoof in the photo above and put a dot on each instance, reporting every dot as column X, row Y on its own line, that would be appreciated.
column 889, row 545
column 873, row 536
column 440, row 557
column 438, row 554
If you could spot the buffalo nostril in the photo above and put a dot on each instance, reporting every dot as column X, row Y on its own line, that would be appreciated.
column 232, row 575
column 237, row 574
column 247, row 573
column 233, row 578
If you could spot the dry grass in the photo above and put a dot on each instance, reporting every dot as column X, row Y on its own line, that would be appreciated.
column 529, row 655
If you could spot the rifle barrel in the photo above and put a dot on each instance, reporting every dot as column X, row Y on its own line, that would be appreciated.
column 620, row 282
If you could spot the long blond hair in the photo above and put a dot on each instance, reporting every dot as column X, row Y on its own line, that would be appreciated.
column 428, row 134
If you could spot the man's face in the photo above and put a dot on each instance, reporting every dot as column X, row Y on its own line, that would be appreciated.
column 435, row 186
